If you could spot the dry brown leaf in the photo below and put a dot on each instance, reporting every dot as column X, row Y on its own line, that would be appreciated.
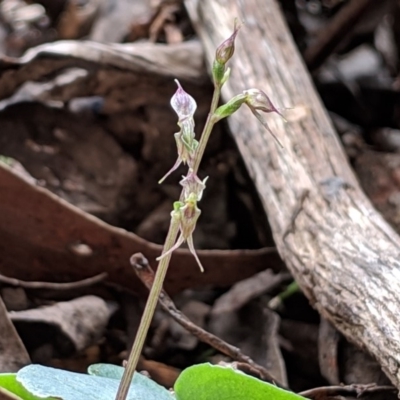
column 38, row 232
column 13, row 355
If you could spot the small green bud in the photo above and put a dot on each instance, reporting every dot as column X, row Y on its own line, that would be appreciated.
column 218, row 71
column 178, row 205
column 226, row 76
column 230, row 107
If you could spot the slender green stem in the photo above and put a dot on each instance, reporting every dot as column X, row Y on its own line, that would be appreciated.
column 148, row 312
column 276, row 301
column 207, row 129
column 161, row 272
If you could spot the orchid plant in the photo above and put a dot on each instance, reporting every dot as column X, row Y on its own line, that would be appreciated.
column 190, row 152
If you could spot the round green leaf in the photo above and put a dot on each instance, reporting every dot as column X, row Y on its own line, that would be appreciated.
column 46, row 382
column 108, row 371
column 214, row 382
column 9, row 384
column 116, row 372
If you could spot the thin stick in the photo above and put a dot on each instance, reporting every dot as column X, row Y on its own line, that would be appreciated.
column 343, row 22
column 358, row 389
column 145, row 273
column 54, row 285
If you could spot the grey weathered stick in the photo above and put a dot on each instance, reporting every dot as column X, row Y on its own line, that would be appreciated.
column 344, row 256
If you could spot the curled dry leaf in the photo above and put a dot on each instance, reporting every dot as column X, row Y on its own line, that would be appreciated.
column 81, row 321
column 35, row 243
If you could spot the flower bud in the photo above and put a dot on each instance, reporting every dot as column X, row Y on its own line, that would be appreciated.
column 227, row 47
column 183, row 104
column 176, row 213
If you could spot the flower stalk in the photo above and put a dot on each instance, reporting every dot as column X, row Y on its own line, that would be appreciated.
column 190, row 152
column 148, row 313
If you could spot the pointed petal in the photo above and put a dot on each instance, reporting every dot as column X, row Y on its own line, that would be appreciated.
column 262, row 120
column 174, row 167
column 182, row 103
column 193, row 251
column 173, row 248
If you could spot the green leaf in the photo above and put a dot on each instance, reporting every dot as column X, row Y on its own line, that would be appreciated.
column 46, row 382
column 109, row 371
column 9, row 383
column 115, row 372
column 6, row 395
column 214, row 382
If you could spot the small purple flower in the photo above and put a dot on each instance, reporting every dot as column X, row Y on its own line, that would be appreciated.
column 192, row 184
column 259, row 103
column 187, row 213
column 257, row 99
column 183, row 104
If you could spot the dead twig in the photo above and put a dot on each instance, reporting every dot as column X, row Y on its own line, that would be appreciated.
column 358, row 389
column 330, row 37
column 145, row 273
column 53, row 285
